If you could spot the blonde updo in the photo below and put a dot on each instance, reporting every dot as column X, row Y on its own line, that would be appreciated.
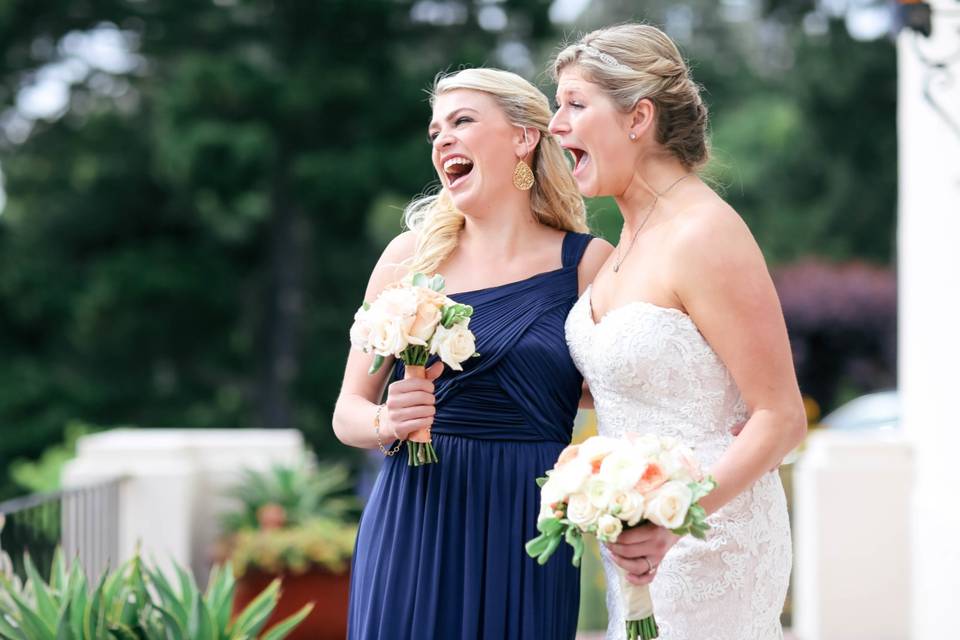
column 554, row 198
column 635, row 61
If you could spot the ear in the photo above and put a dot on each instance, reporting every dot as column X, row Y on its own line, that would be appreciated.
column 525, row 141
column 642, row 118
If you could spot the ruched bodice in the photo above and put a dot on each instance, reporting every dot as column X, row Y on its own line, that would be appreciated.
column 443, row 543
column 523, row 385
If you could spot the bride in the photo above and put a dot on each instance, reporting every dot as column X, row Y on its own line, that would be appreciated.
column 680, row 334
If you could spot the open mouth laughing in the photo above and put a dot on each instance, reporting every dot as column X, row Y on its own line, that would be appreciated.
column 580, row 159
column 456, row 168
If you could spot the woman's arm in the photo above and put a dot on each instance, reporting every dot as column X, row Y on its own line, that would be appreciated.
column 722, row 280
column 410, row 403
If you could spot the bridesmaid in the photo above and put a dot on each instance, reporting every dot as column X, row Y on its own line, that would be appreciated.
column 440, row 552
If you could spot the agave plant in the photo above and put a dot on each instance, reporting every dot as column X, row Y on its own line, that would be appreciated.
column 135, row 602
column 288, row 496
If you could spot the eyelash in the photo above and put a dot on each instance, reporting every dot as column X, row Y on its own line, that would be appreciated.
column 433, row 136
column 575, row 105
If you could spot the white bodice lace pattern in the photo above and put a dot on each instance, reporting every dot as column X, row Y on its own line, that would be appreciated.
column 651, row 371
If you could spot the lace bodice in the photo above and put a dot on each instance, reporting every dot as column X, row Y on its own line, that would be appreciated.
column 650, row 370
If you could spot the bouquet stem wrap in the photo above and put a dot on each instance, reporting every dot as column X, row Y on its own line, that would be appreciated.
column 420, row 449
column 637, row 607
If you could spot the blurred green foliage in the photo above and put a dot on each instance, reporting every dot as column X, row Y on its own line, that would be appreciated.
column 186, row 244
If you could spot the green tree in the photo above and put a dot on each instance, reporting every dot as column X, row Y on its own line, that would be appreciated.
column 186, row 245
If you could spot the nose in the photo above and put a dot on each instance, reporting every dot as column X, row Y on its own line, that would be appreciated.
column 558, row 124
column 443, row 140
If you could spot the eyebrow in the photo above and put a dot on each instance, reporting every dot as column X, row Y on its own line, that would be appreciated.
column 450, row 117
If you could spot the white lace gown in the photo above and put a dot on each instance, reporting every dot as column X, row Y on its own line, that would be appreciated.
column 651, row 371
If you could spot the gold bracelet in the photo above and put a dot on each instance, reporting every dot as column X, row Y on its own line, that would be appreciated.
column 376, row 430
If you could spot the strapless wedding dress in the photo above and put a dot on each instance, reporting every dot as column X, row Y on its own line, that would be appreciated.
column 651, row 371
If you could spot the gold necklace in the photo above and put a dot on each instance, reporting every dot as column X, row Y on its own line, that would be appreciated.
column 633, row 241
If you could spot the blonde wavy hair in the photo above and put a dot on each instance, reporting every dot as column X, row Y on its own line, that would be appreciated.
column 631, row 62
column 554, row 198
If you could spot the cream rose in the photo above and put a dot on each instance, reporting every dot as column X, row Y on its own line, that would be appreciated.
column 360, row 330
column 581, row 512
column 567, row 455
column 454, row 345
column 628, row 506
column 600, row 492
column 572, row 477
column 424, row 323
column 387, row 335
column 551, row 493
column 594, row 449
column 669, row 505
column 545, row 512
column 609, row 528
column 679, row 463
column 397, row 303
column 622, row 469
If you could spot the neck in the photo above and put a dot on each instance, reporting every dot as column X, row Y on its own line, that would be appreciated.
column 500, row 235
column 655, row 182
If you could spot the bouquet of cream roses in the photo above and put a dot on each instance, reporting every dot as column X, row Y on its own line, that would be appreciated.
column 413, row 321
column 606, row 485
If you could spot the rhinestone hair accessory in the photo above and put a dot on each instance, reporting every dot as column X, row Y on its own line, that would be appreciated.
column 604, row 57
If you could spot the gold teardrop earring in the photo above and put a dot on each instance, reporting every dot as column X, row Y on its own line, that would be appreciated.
column 522, row 175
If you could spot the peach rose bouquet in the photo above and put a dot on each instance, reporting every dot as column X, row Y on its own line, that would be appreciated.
column 606, row 485
column 412, row 321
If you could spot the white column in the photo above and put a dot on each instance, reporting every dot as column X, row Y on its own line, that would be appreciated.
column 929, row 316
column 173, row 479
column 852, row 550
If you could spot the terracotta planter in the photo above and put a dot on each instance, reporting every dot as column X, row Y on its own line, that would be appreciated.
column 329, row 593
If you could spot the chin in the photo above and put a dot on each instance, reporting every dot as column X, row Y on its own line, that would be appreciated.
column 462, row 201
column 587, row 188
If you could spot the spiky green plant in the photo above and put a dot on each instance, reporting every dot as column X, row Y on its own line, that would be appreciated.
column 305, row 492
column 135, row 602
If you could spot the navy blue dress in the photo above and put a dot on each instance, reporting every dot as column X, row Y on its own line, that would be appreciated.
column 440, row 551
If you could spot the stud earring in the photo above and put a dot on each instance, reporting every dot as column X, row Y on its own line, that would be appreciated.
column 633, row 136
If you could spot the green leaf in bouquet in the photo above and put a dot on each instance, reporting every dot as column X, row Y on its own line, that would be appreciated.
column 365, row 306
column 702, row 488
column 575, row 539
column 551, row 547
column 550, row 526
column 437, row 283
column 542, row 481
column 420, row 280
column 454, row 314
column 376, row 364
column 537, row 545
